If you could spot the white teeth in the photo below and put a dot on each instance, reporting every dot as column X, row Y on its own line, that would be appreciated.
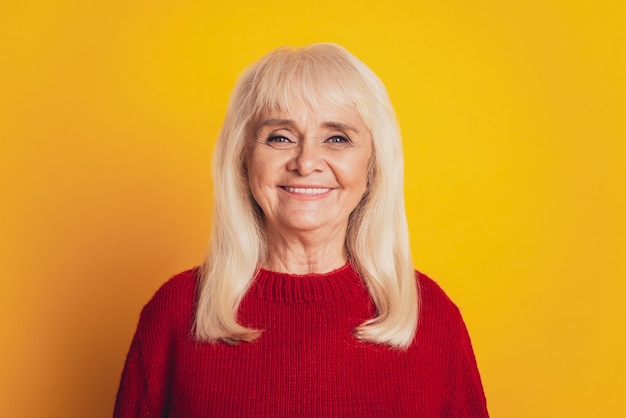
column 303, row 190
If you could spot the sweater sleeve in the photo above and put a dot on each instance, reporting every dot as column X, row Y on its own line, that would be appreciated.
column 471, row 397
column 443, row 328
column 131, row 399
column 144, row 390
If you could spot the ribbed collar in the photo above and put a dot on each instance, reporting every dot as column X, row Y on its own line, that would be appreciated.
column 343, row 283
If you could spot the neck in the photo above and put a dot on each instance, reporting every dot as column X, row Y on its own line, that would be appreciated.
column 305, row 253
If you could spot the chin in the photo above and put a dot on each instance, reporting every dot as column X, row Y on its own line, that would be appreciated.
column 304, row 225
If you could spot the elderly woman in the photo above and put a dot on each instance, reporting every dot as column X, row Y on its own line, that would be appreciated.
column 308, row 303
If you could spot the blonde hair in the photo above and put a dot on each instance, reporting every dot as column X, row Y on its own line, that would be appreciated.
column 377, row 241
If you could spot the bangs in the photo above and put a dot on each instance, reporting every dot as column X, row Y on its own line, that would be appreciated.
column 320, row 76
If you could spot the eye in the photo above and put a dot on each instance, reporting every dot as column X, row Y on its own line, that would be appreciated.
column 338, row 139
column 278, row 139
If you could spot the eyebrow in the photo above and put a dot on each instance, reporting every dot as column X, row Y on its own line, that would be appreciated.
column 329, row 125
column 274, row 122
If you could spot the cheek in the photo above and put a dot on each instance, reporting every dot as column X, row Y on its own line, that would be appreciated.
column 261, row 175
column 258, row 172
column 355, row 172
column 254, row 165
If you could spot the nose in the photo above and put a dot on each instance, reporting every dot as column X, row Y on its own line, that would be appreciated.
column 307, row 160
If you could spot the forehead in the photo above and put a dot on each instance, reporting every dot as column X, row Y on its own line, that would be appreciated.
column 302, row 116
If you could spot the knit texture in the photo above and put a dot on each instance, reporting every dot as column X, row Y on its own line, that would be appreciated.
column 306, row 363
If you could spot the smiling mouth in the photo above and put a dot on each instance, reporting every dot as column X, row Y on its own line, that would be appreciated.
column 306, row 190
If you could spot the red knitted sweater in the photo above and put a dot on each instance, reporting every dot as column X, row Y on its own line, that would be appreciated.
column 306, row 363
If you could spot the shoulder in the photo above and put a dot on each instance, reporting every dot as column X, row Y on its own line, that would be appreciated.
column 442, row 339
column 180, row 286
column 173, row 303
column 165, row 321
column 436, row 310
column 432, row 295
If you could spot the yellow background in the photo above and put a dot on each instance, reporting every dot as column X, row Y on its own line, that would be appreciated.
column 513, row 115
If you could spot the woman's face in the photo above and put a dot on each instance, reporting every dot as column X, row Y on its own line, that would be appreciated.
column 307, row 169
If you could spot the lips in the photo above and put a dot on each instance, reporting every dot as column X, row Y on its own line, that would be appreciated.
column 306, row 190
